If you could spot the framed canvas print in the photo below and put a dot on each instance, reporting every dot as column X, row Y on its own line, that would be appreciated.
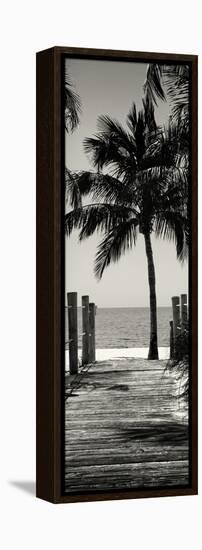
column 116, row 274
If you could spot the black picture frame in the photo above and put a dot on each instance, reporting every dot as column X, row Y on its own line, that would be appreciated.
column 50, row 274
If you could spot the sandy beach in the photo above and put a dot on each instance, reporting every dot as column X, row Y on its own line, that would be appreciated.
column 120, row 353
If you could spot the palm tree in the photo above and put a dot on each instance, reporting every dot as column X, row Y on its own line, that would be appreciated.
column 72, row 104
column 145, row 191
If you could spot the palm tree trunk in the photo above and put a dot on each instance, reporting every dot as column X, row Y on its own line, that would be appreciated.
column 153, row 347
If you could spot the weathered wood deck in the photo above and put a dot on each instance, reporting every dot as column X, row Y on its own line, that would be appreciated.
column 122, row 430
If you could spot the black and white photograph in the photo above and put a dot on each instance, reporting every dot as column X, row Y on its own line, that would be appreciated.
column 127, row 285
column 100, row 307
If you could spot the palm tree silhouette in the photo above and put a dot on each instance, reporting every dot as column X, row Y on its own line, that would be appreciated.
column 145, row 190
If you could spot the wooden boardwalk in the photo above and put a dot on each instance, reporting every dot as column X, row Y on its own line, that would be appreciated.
column 122, row 430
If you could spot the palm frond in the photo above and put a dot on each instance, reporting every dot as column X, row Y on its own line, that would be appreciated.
column 112, row 129
column 114, row 244
column 149, row 116
column 166, row 145
column 96, row 218
column 74, row 220
column 169, row 185
column 112, row 147
column 104, row 217
column 105, row 151
column 111, row 139
column 101, row 187
column 132, row 119
column 176, row 79
column 173, row 226
column 111, row 190
column 160, row 189
column 153, row 86
column 72, row 104
column 72, row 190
column 81, row 184
column 140, row 132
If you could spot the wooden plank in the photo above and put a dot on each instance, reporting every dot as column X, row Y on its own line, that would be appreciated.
column 158, row 473
column 121, row 429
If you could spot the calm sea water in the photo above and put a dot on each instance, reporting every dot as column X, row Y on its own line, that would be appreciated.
column 126, row 327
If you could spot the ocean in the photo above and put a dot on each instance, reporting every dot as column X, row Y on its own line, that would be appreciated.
column 125, row 327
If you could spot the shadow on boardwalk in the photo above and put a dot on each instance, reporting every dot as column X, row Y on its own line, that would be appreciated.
column 123, row 428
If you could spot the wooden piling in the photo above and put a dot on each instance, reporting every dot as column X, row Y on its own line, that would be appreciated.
column 73, row 332
column 92, row 309
column 85, row 330
column 176, row 318
column 171, row 340
column 183, row 301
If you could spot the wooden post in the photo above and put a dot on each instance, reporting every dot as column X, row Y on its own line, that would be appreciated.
column 176, row 318
column 92, row 332
column 73, row 332
column 184, row 306
column 85, row 330
column 171, row 341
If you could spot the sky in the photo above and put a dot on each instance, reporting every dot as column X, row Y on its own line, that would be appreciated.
column 110, row 87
